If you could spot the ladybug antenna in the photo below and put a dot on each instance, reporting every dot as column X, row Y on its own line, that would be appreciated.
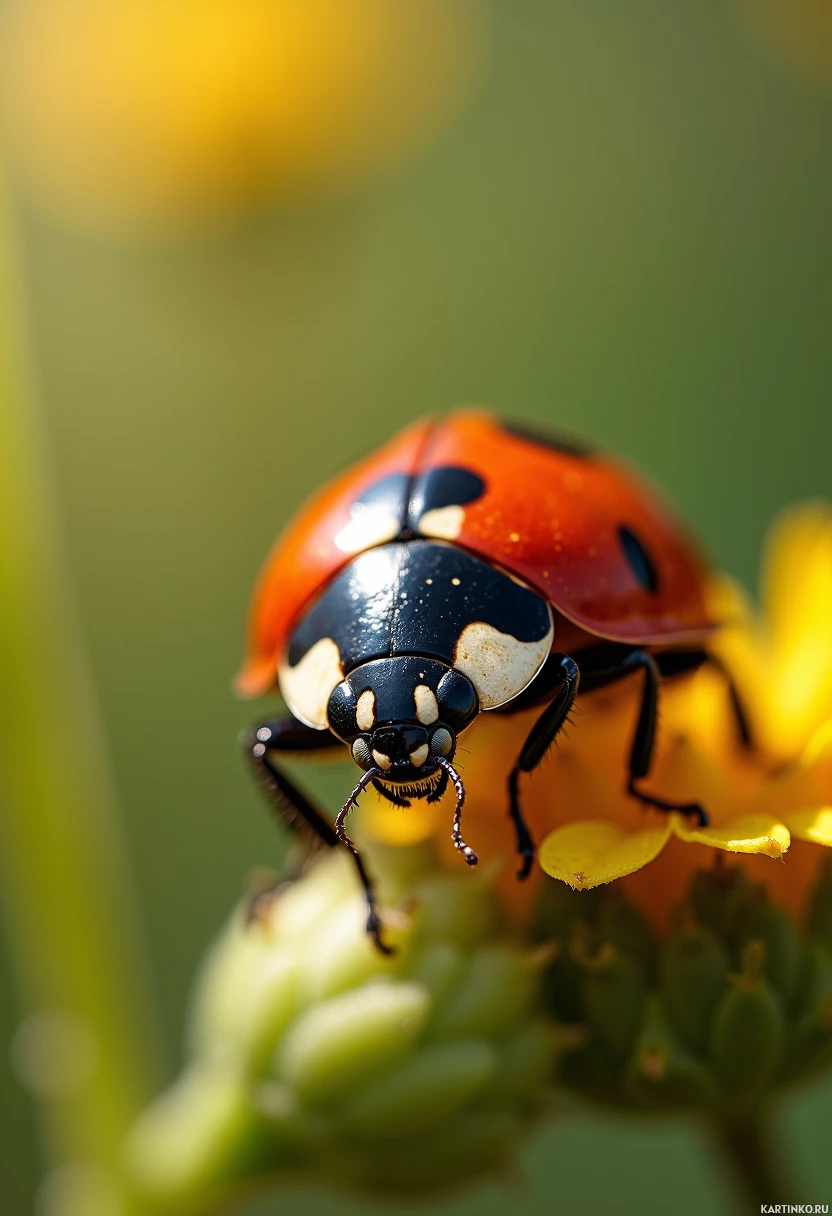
column 360, row 785
column 456, row 836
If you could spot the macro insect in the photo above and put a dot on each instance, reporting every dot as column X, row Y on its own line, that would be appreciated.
column 471, row 565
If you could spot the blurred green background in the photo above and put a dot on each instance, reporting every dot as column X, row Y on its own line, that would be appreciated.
column 626, row 233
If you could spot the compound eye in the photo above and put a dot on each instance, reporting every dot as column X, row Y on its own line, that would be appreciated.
column 457, row 697
column 361, row 753
column 441, row 742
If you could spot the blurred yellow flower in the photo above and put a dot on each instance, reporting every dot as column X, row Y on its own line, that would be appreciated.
column 783, row 654
column 139, row 112
column 796, row 33
column 762, row 804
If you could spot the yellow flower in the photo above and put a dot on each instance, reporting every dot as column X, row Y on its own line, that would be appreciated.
column 139, row 112
column 771, row 804
column 783, row 656
column 796, row 33
column 691, row 982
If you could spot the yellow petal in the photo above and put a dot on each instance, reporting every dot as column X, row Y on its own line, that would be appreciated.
column 590, row 852
column 819, row 748
column 797, row 572
column 803, row 789
column 748, row 834
column 685, row 774
column 797, row 597
column 729, row 602
column 741, row 643
column 813, row 824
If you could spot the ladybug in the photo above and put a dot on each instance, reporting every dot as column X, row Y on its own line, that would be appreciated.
column 471, row 565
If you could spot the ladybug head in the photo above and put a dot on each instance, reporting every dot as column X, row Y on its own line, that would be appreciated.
column 401, row 716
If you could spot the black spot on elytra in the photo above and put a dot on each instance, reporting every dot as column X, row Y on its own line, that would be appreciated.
column 638, row 559
column 407, row 499
column 567, row 445
column 388, row 495
column 445, row 486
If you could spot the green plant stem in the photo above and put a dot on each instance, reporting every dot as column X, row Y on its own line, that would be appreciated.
column 749, row 1149
column 65, row 892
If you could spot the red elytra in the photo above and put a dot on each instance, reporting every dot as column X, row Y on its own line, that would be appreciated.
column 549, row 515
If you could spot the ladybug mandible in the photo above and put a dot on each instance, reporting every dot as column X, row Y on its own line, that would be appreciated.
column 470, row 565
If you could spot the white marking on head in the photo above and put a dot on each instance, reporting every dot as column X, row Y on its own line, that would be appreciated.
column 445, row 523
column 369, row 526
column 365, row 710
column 382, row 761
column 308, row 685
column 419, row 755
column 427, row 709
column 497, row 664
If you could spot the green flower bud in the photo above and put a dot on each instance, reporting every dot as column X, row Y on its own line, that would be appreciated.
column 432, row 1084
column 497, row 984
column 438, row 967
column 695, row 967
column 747, row 1031
column 200, row 1133
column 661, row 1072
column 311, row 1051
column 734, row 1003
column 613, row 991
column 620, row 923
column 524, row 1060
column 719, row 896
column 810, row 1041
column 763, row 921
column 335, row 1044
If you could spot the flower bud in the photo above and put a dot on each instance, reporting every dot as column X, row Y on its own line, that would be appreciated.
column 695, row 968
column 661, row 1072
column 747, row 1031
column 312, row 1051
column 734, row 1002
column 764, row 922
column 719, row 896
column 810, row 1042
column 613, row 991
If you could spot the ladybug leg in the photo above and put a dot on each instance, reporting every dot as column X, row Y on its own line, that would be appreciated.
column 539, row 740
column 675, row 662
column 288, row 735
column 373, row 918
column 644, row 739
